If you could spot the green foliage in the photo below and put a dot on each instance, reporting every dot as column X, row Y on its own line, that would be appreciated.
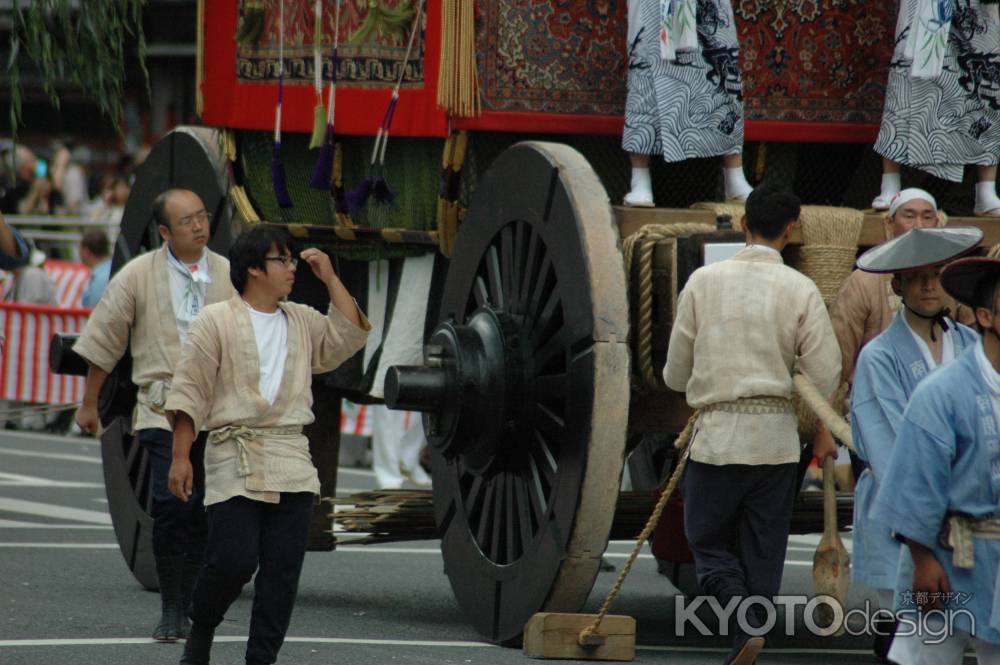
column 80, row 41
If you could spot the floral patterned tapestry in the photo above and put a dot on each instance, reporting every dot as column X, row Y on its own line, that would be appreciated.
column 814, row 67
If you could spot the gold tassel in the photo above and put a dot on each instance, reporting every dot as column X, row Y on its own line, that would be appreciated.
column 243, row 206
column 229, row 145
column 458, row 83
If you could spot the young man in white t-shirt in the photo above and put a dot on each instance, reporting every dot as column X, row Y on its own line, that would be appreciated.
column 246, row 378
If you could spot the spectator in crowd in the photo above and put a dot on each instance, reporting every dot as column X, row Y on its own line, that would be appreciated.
column 25, row 165
column 69, row 177
column 95, row 254
column 32, row 285
column 42, row 199
column 115, row 191
column 13, row 248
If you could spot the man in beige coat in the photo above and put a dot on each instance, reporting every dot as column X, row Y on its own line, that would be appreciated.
column 246, row 377
column 743, row 327
column 147, row 308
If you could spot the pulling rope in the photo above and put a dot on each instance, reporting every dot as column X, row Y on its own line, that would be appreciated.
column 641, row 245
column 589, row 636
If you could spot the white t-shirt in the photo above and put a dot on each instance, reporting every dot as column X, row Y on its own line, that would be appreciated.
column 271, row 333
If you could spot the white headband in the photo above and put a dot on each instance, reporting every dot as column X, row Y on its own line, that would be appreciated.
column 908, row 195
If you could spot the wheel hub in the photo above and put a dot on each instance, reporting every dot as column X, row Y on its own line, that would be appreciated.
column 471, row 389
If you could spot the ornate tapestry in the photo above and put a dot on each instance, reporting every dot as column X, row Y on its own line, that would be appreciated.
column 376, row 62
column 812, row 69
column 553, row 56
column 822, row 62
column 239, row 84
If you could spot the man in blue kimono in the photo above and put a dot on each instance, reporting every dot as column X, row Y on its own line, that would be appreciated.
column 920, row 338
column 941, row 491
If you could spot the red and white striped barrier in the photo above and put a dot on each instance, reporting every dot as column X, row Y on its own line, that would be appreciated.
column 70, row 278
column 355, row 419
column 27, row 330
column 24, row 360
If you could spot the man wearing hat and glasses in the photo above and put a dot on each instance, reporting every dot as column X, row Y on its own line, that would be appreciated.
column 940, row 493
column 920, row 338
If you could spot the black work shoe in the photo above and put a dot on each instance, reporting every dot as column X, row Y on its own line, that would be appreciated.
column 746, row 653
column 169, row 571
column 885, row 631
column 198, row 645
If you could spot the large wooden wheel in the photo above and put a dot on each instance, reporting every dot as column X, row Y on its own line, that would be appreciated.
column 525, row 390
column 188, row 158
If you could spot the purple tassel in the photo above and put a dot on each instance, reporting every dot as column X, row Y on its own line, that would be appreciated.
column 381, row 190
column 324, row 162
column 358, row 197
column 278, row 179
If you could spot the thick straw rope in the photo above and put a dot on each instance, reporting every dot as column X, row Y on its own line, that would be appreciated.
column 810, row 394
column 644, row 241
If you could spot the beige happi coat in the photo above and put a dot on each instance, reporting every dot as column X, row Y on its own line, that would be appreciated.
column 137, row 306
column 743, row 326
column 216, row 384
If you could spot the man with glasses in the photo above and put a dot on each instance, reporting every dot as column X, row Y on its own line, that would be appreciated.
column 147, row 307
column 246, row 378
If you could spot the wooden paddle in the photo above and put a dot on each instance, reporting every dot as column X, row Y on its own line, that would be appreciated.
column 831, row 563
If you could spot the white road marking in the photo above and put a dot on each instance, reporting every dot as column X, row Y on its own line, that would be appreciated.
column 368, row 473
column 20, row 480
column 114, row 641
column 49, row 438
column 50, row 510
column 89, row 459
column 61, row 546
column 14, row 524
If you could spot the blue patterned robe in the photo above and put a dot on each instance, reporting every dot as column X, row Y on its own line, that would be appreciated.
column 888, row 370
column 947, row 459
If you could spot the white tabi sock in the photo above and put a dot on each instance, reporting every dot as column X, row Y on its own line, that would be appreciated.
column 891, row 184
column 986, row 198
column 641, row 192
column 640, row 180
column 737, row 186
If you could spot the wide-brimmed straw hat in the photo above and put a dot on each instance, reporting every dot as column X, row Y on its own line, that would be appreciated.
column 920, row 248
column 962, row 278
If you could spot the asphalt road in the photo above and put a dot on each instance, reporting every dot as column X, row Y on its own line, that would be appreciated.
column 66, row 596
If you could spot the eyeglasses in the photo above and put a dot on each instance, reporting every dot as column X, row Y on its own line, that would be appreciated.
column 202, row 217
column 287, row 261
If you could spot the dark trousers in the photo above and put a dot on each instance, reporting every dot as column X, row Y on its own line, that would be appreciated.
column 736, row 519
column 179, row 528
column 246, row 536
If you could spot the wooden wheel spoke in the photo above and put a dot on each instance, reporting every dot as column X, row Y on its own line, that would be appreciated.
column 495, row 278
column 540, row 290
column 485, row 517
column 481, row 293
column 553, row 429
column 496, row 541
column 530, row 272
column 518, row 276
column 524, row 517
column 507, row 266
column 510, row 516
column 539, row 501
column 547, row 464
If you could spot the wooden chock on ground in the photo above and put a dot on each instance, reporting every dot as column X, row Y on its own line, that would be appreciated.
column 602, row 636
column 557, row 635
